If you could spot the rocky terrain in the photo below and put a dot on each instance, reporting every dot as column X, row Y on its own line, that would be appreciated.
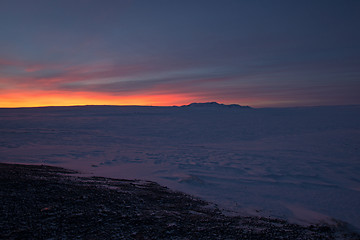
column 43, row 202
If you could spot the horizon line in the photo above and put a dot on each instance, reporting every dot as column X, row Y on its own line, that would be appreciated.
column 110, row 105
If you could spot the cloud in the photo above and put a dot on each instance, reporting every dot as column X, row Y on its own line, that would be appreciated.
column 8, row 62
column 255, row 83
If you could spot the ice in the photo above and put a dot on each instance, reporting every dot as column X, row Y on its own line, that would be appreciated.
column 302, row 164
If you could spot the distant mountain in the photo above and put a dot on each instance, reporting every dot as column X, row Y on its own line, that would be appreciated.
column 214, row 105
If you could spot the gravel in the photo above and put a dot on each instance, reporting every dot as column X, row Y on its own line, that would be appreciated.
column 44, row 202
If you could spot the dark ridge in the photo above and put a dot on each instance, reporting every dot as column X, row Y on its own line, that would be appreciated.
column 215, row 105
column 43, row 202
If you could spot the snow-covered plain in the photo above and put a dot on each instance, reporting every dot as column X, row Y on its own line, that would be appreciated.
column 301, row 164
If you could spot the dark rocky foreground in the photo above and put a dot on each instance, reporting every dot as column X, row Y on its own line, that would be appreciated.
column 43, row 202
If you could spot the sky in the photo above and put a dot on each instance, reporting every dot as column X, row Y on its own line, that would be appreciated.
column 259, row 53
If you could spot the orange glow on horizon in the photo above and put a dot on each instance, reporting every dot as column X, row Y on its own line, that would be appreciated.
column 62, row 98
column 38, row 98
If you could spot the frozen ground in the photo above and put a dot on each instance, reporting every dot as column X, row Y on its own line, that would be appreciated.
column 302, row 164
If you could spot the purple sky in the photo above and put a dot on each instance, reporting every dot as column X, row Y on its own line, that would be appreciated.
column 258, row 53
